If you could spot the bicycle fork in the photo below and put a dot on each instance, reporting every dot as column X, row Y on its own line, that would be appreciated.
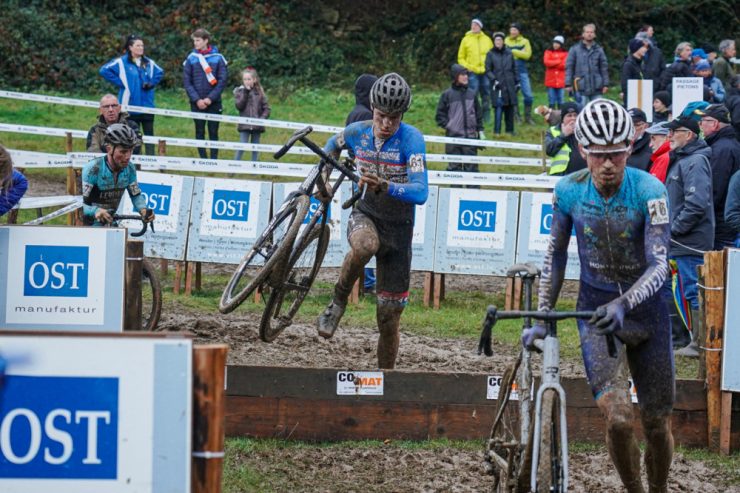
column 550, row 381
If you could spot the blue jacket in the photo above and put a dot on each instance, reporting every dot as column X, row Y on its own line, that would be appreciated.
column 195, row 80
column 135, row 82
column 18, row 186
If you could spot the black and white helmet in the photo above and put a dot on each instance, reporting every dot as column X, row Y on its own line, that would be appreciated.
column 390, row 94
column 120, row 135
column 604, row 122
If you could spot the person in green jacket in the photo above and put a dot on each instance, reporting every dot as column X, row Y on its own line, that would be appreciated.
column 522, row 51
column 472, row 55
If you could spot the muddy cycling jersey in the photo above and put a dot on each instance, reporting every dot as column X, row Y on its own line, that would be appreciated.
column 622, row 241
column 401, row 160
column 101, row 188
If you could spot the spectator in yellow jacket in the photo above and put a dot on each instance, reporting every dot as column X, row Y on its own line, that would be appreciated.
column 472, row 55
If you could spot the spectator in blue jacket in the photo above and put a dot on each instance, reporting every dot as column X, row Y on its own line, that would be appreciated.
column 136, row 76
column 204, row 76
column 12, row 183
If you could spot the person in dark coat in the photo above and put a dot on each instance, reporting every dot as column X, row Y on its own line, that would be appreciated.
column 732, row 207
column 362, row 111
column 632, row 67
column 653, row 63
column 732, row 101
column 681, row 66
column 502, row 72
column 641, row 152
column 661, row 106
column 459, row 113
column 725, row 162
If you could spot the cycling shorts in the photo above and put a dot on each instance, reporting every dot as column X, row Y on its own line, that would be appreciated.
column 650, row 361
column 393, row 258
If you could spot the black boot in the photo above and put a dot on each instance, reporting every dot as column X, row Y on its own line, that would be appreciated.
column 528, row 114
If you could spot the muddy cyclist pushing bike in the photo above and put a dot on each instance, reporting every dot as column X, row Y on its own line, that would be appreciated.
column 621, row 223
column 391, row 157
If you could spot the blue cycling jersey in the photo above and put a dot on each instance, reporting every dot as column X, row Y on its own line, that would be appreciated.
column 102, row 188
column 622, row 241
column 401, row 160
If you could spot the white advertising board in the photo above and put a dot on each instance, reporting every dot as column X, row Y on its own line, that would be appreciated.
column 685, row 91
column 62, row 278
column 731, row 353
column 169, row 197
column 640, row 95
column 87, row 414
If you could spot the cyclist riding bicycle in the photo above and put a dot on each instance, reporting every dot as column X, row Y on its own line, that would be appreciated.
column 104, row 179
column 391, row 157
column 620, row 217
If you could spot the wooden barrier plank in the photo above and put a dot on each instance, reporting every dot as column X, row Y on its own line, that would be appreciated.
column 725, row 423
column 714, row 299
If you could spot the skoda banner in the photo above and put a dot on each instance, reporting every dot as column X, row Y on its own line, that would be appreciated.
column 61, row 278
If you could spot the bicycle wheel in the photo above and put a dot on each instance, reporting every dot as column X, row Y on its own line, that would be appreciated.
column 151, row 296
column 270, row 248
column 305, row 262
column 503, row 451
column 549, row 466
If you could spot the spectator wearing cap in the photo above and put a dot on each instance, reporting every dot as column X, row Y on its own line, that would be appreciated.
column 661, row 147
column 474, row 47
column 504, row 78
column 586, row 68
column 661, row 106
column 653, row 62
column 697, row 55
column 632, row 66
column 554, row 61
column 640, row 156
column 732, row 207
column 689, row 185
column 725, row 161
column 681, row 66
column 522, row 51
column 711, row 52
column 561, row 144
column 711, row 83
column 722, row 67
column 459, row 113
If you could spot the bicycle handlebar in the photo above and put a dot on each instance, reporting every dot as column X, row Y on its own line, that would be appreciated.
column 136, row 217
column 301, row 135
column 297, row 135
column 493, row 315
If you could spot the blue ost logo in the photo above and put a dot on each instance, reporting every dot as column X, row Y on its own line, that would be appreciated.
column 546, row 220
column 56, row 271
column 230, row 205
column 158, row 197
column 313, row 207
column 476, row 215
column 59, row 428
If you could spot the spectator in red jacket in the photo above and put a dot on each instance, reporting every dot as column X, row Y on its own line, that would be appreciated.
column 554, row 61
column 661, row 146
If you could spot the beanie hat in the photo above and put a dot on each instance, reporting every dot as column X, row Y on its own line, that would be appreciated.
column 498, row 34
column 664, row 97
column 703, row 65
column 635, row 44
column 558, row 39
column 516, row 26
column 457, row 69
column 477, row 21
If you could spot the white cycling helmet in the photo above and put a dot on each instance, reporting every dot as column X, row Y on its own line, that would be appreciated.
column 390, row 94
column 604, row 122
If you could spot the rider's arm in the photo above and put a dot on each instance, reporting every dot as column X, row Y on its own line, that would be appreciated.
column 137, row 198
column 16, row 189
column 416, row 190
column 556, row 258
column 89, row 182
column 657, row 241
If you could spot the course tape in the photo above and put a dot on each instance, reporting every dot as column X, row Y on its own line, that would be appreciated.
column 266, row 148
column 255, row 121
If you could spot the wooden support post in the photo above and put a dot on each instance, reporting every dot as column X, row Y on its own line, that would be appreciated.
column 188, row 278
column 714, row 303
column 725, row 422
column 354, row 295
column 198, row 266
column 439, row 290
column 513, row 300
column 163, row 268
column 178, row 277
column 71, row 176
column 132, row 287
column 428, row 288
column 209, row 403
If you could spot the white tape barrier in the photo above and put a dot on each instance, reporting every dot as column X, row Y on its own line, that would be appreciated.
column 41, row 202
column 28, row 159
column 266, row 148
column 255, row 121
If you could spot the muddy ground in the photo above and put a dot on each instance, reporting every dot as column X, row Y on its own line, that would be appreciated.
column 391, row 468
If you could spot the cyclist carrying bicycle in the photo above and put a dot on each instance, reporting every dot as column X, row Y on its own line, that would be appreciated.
column 621, row 219
column 105, row 179
column 391, row 157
